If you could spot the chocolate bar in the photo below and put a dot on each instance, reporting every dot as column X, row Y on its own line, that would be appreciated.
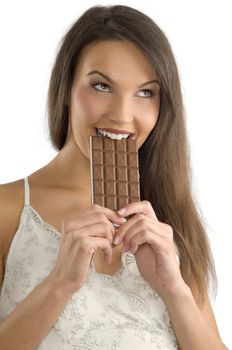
column 114, row 172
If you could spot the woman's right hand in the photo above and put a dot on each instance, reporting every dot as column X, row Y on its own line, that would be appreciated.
column 91, row 229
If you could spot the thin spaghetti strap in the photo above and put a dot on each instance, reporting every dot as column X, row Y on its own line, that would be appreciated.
column 26, row 192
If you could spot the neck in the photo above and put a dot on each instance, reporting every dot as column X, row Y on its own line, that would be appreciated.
column 71, row 169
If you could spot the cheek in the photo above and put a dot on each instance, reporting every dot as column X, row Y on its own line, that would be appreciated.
column 87, row 106
column 148, row 116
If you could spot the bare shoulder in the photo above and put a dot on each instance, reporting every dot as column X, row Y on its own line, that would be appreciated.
column 11, row 204
column 11, row 197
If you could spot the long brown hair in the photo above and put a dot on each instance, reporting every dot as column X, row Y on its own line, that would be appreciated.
column 165, row 168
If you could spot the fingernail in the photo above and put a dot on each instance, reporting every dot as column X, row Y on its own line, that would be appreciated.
column 122, row 211
column 123, row 219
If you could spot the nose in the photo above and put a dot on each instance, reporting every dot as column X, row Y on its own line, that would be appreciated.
column 121, row 111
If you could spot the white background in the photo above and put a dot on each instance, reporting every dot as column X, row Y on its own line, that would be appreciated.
column 200, row 34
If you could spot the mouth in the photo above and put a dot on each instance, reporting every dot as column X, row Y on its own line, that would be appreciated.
column 114, row 134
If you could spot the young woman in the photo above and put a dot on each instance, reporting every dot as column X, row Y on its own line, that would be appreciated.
column 70, row 279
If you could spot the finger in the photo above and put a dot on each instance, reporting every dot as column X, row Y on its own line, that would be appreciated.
column 91, row 211
column 142, row 207
column 97, row 230
column 91, row 245
column 136, row 230
column 137, row 222
column 104, row 244
column 158, row 243
column 140, row 226
column 145, row 228
column 112, row 215
column 85, row 220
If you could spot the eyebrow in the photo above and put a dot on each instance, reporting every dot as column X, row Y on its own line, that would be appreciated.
column 113, row 83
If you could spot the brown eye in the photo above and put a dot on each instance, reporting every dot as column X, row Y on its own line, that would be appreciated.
column 100, row 86
column 147, row 93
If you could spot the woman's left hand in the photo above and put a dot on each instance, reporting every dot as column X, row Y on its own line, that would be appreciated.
column 151, row 241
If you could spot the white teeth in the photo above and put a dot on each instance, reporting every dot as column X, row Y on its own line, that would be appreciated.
column 111, row 135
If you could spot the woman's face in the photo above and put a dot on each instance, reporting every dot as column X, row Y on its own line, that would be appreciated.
column 115, row 87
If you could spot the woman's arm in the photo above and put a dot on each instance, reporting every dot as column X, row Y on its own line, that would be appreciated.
column 152, row 243
column 90, row 229
column 32, row 319
column 194, row 325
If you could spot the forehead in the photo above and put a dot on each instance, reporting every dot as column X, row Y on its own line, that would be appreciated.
column 116, row 58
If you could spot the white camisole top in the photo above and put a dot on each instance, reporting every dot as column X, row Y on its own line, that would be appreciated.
column 118, row 312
